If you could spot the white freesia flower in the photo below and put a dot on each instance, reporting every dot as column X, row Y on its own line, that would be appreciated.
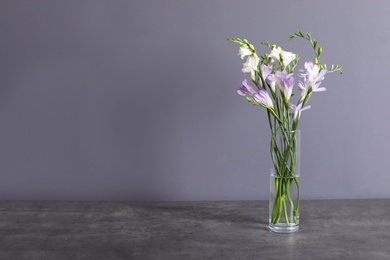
column 250, row 66
column 244, row 52
column 287, row 57
column 275, row 54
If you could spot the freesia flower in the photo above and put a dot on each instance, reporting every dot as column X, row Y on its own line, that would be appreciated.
column 287, row 58
column 271, row 80
column 307, row 84
column 287, row 86
column 244, row 52
column 312, row 72
column 263, row 97
column 286, row 82
column 250, row 64
column 304, row 87
column 275, row 54
column 246, row 89
column 260, row 96
column 298, row 109
column 312, row 78
column 265, row 71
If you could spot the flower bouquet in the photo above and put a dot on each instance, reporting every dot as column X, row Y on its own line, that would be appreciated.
column 271, row 86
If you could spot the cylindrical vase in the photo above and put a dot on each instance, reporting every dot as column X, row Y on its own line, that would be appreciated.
column 284, row 200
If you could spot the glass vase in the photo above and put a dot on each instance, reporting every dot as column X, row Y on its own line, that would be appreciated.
column 284, row 200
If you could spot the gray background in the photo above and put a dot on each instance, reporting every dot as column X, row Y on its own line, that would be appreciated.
column 136, row 100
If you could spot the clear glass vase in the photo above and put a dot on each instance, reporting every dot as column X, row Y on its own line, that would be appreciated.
column 284, row 200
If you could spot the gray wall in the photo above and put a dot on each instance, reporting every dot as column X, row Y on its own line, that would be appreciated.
column 136, row 100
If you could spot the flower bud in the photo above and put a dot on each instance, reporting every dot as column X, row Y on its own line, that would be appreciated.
column 320, row 51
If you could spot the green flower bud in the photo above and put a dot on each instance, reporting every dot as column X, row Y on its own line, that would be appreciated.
column 320, row 51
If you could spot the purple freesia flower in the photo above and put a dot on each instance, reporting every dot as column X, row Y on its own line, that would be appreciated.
column 286, row 82
column 312, row 78
column 271, row 80
column 260, row 96
column 304, row 87
column 266, row 71
column 246, row 89
column 312, row 72
column 263, row 97
column 298, row 109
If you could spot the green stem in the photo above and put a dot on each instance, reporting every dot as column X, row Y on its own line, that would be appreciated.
column 279, row 201
column 285, row 212
column 288, row 185
column 282, row 191
column 274, row 212
column 296, row 211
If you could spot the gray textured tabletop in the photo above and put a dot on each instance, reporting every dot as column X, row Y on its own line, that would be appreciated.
column 329, row 229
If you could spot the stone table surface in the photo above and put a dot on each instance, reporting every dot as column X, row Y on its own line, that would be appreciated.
column 329, row 229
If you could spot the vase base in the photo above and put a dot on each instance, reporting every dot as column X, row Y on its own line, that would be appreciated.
column 283, row 228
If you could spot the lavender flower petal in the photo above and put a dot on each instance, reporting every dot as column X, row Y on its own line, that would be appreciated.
column 263, row 97
column 246, row 89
